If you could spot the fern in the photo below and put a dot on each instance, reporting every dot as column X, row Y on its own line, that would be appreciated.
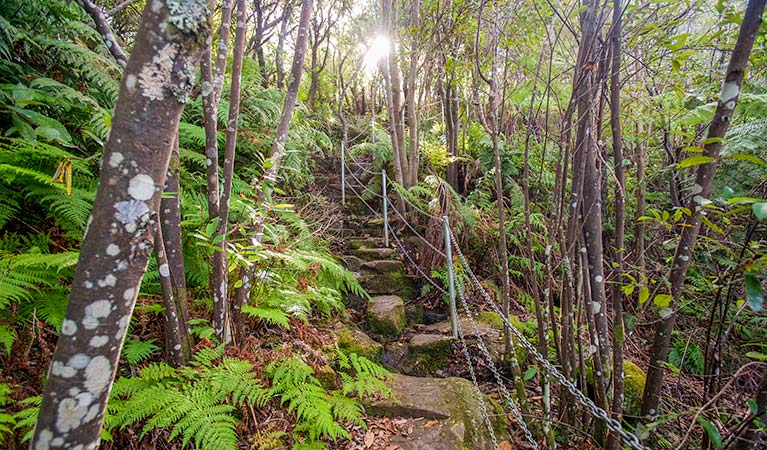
column 134, row 351
column 197, row 402
column 272, row 316
column 686, row 355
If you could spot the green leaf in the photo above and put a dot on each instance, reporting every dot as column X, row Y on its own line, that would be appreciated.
column 760, row 210
column 693, row 161
column 752, row 406
column 757, row 356
column 713, row 435
column 530, row 373
column 662, row 300
column 754, row 293
column 644, row 295
column 727, row 192
column 746, row 157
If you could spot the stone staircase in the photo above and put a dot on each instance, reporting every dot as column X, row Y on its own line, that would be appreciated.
column 390, row 329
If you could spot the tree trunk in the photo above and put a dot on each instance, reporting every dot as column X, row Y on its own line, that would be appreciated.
column 174, row 291
column 122, row 228
column 613, row 439
column 280, row 50
column 219, row 269
column 410, row 101
column 102, row 26
column 748, row 436
column 269, row 178
column 728, row 100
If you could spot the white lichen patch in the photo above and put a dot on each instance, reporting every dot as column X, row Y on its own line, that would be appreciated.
column 116, row 158
column 69, row 415
column 598, row 279
column 44, row 438
column 98, row 341
column 696, row 189
column 729, row 94
column 122, row 325
column 109, row 280
column 665, row 312
column 97, row 375
column 113, row 250
column 155, row 76
column 141, row 187
column 188, row 15
column 129, row 294
column 79, row 361
column 68, row 327
column 596, row 307
column 99, row 309
column 164, row 271
column 130, row 211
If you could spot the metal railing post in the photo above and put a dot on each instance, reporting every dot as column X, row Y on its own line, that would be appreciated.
column 450, row 276
column 385, row 209
column 343, row 174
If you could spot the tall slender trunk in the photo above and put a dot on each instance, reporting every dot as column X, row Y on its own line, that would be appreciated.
column 102, row 26
column 173, row 276
column 220, row 267
column 748, row 436
column 639, row 227
column 269, row 178
column 410, row 100
column 121, row 232
column 280, row 50
column 728, row 100
column 613, row 439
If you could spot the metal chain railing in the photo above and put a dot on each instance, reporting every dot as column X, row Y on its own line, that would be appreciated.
column 416, row 233
column 414, row 263
column 630, row 439
column 491, row 365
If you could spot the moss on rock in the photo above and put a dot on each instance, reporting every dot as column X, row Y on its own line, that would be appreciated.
column 386, row 316
column 351, row 339
column 634, row 379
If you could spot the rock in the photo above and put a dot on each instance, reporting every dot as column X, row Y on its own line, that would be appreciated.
column 414, row 313
column 386, row 315
column 387, row 283
column 356, row 243
column 351, row 339
column 427, row 435
column 426, row 355
column 352, row 263
column 383, row 266
column 634, row 379
column 394, row 353
column 454, row 402
column 372, row 254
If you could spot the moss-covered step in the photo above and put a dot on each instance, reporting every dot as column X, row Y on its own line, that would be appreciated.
column 351, row 339
column 386, row 277
column 358, row 242
column 386, row 316
column 373, row 254
column 426, row 354
column 454, row 402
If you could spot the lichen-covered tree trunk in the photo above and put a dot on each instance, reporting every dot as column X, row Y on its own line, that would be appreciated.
column 122, row 228
column 220, row 267
column 102, row 26
column 212, row 83
column 172, row 270
column 728, row 100
column 410, row 99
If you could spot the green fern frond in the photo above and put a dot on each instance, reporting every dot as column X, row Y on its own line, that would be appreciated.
column 272, row 316
column 134, row 350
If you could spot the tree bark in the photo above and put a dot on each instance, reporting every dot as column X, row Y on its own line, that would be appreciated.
column 102, row 26
column 613, row 439
column 410, row 100
column 219, row 270
column 728, row 100
column 174, row 292
column 121, row 232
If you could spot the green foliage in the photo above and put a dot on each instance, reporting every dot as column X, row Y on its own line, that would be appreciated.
column 135, row 351
column 198, row 403
column 318, row 412
column 686, row 354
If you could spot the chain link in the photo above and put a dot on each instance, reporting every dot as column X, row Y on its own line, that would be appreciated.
column 417, row 234
column 595, row 410
column 498, row 378
column 482, row 401
column 415, row 264
column 398, row 188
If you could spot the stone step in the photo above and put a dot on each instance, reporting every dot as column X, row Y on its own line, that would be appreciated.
column 386, row 316
column 373, row 254
column 453, row 402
